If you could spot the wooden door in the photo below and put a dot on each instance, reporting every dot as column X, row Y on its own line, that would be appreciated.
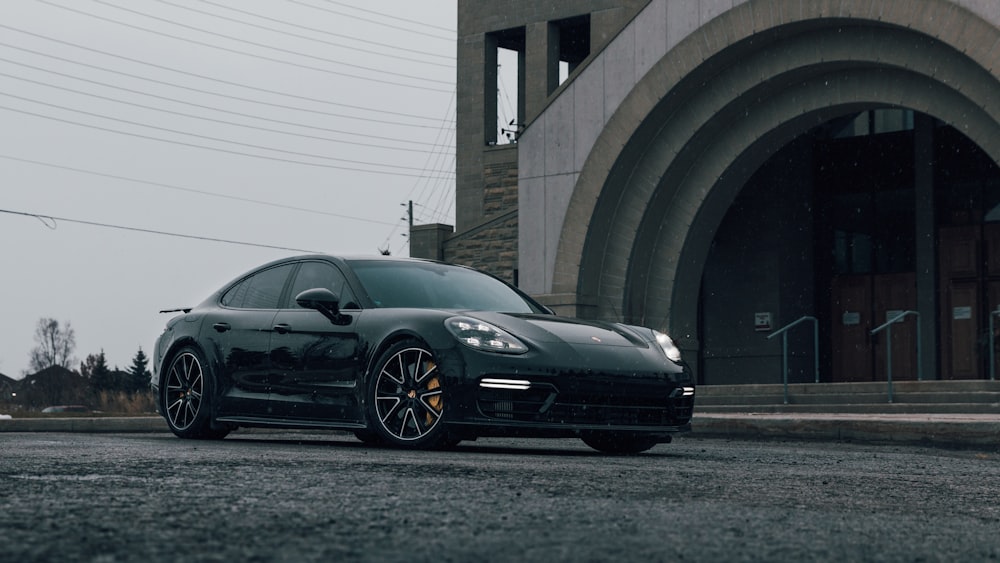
column 851, row 300
column 962, row 326
column 960, row 278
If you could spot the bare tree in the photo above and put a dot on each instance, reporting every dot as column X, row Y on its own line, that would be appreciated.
column 55, row 346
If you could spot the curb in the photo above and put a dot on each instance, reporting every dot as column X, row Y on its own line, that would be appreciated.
column 950, row 431
column 124, row 424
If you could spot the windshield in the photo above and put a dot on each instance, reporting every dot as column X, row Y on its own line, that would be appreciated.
column 427, row 285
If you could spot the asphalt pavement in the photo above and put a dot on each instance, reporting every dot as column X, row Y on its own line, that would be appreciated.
column 976, row 431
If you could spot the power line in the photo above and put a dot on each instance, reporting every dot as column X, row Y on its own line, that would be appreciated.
column 447, row 195
column 193, row 190
column 197, row 135
column 256, row 56
column 202, row 106
column 201, row 91
column 502, row 123
column 434, row 186
column 372, row 21
column 213, row 120
column 426, row 180
column 45, row 218
column 387, row 15
column 234, row 38
column 306, row 37
column 217, row 149
column 448, row 137
column 407, row 49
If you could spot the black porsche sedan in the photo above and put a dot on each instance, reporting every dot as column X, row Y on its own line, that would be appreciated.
column 411, row 353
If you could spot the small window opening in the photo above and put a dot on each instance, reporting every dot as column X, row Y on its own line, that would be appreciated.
column 874, row 122
column 504, row 84
column 573, row 36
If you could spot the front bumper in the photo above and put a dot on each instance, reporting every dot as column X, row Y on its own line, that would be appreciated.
column 505, row 398
column 595, row 400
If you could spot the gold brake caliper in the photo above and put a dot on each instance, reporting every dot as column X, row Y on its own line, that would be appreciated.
column 434, row 383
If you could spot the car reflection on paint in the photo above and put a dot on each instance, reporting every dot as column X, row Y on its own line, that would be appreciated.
column 412, row 353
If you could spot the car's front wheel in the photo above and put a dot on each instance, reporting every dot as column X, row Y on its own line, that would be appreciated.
column 407, row 397
column 186, row 396
column 620, row 443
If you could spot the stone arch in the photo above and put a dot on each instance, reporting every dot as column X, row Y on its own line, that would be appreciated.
column 715, row 106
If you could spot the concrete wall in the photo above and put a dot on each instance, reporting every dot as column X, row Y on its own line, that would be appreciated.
column 558, row 142
column 476, row 19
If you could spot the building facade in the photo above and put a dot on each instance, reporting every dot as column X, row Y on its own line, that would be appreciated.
column 721, row 169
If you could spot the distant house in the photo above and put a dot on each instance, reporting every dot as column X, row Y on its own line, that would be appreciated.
column 54, row 385
column 7, row 385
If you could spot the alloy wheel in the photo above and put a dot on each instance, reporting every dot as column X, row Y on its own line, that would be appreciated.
column 185, row 387
column 408, row 395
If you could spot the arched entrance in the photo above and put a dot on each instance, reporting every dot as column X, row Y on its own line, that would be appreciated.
column 656, row 204
column 836, row 225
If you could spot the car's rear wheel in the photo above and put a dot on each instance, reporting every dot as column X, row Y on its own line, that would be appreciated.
column 187, row 397
column 621, row 443
column 407, row 397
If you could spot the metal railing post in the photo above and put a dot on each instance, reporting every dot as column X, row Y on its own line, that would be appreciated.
column 783, row 331
column 993, row 369
column 887, row 326
column 784, row 363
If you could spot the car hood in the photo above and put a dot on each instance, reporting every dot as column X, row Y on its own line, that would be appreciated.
column 549, row 328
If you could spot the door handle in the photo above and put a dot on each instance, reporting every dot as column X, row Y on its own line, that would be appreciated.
column 282, row 328
column 221, row 327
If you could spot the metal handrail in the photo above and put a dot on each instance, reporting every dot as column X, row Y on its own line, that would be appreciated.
column 783, row 331
column 993, row 369
column 888, row 325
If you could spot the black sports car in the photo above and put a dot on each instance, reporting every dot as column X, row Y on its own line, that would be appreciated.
column 412, row 353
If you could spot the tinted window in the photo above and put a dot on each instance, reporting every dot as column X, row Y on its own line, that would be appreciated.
column 321, row 274
column 235, row 296
column 260, row 291
column 437, row 286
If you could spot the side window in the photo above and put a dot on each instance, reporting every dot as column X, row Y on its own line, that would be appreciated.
column 322, row 274
column 235, row 296
column 260, row 291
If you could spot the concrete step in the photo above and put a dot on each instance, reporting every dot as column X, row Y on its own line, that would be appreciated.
column 934, row 396
column 846, row 398
column 870, row 408
column 931, row 386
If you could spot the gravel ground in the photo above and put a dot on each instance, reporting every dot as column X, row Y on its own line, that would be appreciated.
column 311, row 497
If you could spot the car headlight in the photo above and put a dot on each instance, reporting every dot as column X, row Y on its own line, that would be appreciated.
column 484, row 336
column 669, row 348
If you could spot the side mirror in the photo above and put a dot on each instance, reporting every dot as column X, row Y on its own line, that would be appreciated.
column 324, row 301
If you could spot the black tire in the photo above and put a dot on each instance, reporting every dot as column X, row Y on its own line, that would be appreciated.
column 370, row 438
column 406, row 397
column 186, row 396
column 618, row 443
column 449, row 442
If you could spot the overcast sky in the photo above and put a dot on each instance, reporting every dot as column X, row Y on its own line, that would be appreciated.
column 296, row 124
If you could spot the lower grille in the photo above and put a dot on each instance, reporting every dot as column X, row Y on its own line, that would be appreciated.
column 545, row 403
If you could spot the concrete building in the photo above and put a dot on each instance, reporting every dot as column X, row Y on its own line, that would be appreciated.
column 721, row 169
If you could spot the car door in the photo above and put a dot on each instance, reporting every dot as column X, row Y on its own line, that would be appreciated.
column 241, row 331
column 314, row 362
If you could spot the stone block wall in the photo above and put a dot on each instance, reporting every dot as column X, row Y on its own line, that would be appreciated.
column 492, row 248
column 491, row 243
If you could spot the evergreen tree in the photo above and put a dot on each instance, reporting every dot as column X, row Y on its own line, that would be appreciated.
column 96, row 368
column 138, row 375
